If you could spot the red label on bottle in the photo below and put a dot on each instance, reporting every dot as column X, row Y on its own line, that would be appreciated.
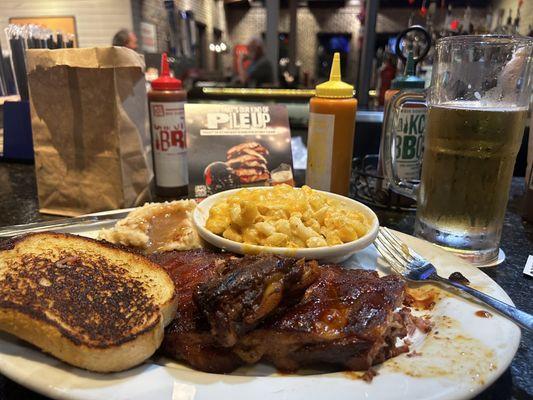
column 169, row 143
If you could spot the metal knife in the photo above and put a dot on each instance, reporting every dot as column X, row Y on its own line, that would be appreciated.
column 84, row 221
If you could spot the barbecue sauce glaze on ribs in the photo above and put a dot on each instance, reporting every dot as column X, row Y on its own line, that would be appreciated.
column 234, row 311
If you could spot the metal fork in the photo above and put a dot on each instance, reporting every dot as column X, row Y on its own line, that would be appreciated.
column 406, row 262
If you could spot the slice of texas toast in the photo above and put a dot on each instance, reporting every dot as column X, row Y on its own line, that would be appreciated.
column 89, row 303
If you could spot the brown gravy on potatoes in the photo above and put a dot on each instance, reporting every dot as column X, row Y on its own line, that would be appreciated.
column 156, row 227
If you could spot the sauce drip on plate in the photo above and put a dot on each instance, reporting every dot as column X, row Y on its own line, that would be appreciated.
column 483, row 314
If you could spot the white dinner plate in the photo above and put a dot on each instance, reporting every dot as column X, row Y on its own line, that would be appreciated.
column 462, row 356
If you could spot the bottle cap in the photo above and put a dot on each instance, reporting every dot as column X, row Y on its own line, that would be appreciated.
column 335, row 88
column 408, row 80
column 165, row 81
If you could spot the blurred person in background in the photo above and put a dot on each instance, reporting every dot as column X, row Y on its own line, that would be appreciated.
column 259, row 72
column 387, row 72
column 125, row 38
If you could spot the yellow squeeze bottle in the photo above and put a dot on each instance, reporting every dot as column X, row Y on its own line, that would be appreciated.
column 331, row 134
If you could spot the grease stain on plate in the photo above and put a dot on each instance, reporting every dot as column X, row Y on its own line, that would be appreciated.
column 464, row 356
column 423, row 297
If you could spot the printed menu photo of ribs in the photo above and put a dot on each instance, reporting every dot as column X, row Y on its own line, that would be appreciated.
column 249, row 162
column 234, row 146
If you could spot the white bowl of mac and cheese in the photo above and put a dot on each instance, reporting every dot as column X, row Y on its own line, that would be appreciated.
column 297, row 222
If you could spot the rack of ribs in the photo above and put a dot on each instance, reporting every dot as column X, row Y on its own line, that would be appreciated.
column 252, row 289
column 345, row 318
column 234, row 311
column 188, row 337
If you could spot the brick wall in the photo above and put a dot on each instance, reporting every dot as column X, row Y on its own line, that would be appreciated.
column 396, row 19
column 240, row 24
column 208, row 12
column 246, row 23
column 526, row 13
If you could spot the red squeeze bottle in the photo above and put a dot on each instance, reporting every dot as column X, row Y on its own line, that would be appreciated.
column 166, row 103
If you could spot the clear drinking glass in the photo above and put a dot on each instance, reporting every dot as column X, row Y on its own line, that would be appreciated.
column 478, row 103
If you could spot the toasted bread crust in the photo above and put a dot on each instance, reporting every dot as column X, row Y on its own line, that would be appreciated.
column 10, row 243
column 168, row 308
column 48, row 338
column 61, row 292
column 39, row 287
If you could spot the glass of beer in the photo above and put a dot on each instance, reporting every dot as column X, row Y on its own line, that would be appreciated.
column 478, row 102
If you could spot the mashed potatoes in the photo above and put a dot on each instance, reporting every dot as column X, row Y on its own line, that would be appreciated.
column 156, row 227
column 286, row 217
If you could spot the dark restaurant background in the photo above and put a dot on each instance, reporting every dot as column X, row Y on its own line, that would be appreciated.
column 235, row 22
column 207, row 41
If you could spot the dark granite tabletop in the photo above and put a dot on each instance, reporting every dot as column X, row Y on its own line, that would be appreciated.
column 18, row 205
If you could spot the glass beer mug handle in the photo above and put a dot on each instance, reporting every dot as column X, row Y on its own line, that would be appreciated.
column 391, row 119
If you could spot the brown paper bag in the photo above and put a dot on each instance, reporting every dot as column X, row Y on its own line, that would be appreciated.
column 90, row 129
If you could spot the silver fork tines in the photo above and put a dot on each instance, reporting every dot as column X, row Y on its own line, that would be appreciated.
column 400, row 247
column 393, row 261
column 395, row 252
